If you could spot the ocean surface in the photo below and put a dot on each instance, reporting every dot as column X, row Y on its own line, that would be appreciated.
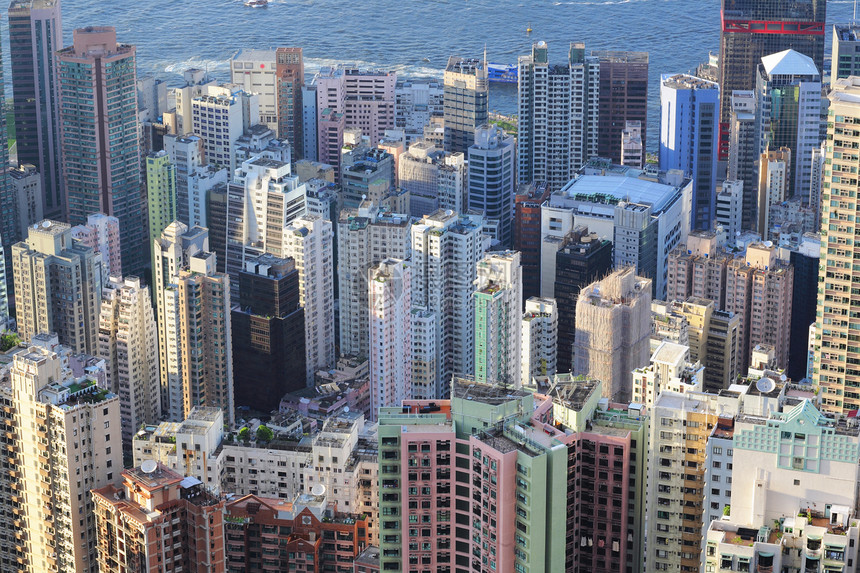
column 412, row 37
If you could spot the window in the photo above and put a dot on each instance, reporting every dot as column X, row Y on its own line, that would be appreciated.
column 718, row 450
column 797, row 482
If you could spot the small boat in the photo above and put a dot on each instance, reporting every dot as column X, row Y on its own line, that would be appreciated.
column 502, row 73
column 256, row 3
column 426, row 60
column 529, row 29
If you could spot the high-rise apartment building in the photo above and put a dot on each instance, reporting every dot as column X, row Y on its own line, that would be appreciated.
column 35, row 35
column 66, row 433
column 580, row 259
column 492, row 180
column 759, row 290
column 390, row 322
column 160, row 193
column 446, row 248
column 268, row 334
column 831, row 369
column 101, row 234
column 219, row 117
column 98, row 96
column 698, row 268
column 366, row 174
column 498, row 319
column 670, row 369
column 128, row 343
column 187, row 157
column 752, row 29
column 743, row 150
column 309, row 241
column 26, row 186
column 632, row 151
column 539, row 339
column 774, row 168
column 365, row 237
column 788, row 112
column 434, row 179
column 729, row 211
column 558, row 113
column 156, row 518
column 289, row 80
column 688, row 138
column 466, row 95
column 194, row 333
column 417, row 103
column 623, row 97
column 613, row 329
column 58, row 285
column 255, row 72
column 527, row 234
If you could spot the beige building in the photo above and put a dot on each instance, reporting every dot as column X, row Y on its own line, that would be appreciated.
column 129, row 344
column 835, row 339
column 774, row 169
column 714, row 341
column 46, row 268
column 670, row 369
column 698, row 268
column 65, row 433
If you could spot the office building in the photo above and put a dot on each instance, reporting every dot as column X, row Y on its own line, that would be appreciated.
column 219, row 117
column 66, row 434
column 698, row 268
column 688, row 138
column 366, row 174
column 255, row 72
column 623, row 97
column 539, row 339
column 446, row 248
column 632, row 151
column 752, row 29
column 160, row 193
column 309, row 122
column 289, row 80
column 101, row 234
column 714, row 339
column 743, row 150
column 268, row 334
column 465, row 104
column 26, row 186
column 527, row 234
column 759, row 290
column 580, row 258
column 193, row 306
column 558, row 113
column 263, row 198
column 774, row 169
column 729, row 213
column 434, row 179
column 390, row 321
column 102, row 175
column 498, row 319
column 805, row 259
column 156, row 518
column 417, row 102
column 260, row 141
column 844, row 57
column 309, row 241
column 613, row 328
column 788, row 113
column 365, row 237
column 35, row 35
column 670, row 369
column 667, row 323
column 128, row 344
column 47, row 266
column 645, row 214
column 491, row 184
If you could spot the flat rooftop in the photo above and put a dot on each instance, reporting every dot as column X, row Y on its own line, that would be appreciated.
column 588, row 188
column 469, row 389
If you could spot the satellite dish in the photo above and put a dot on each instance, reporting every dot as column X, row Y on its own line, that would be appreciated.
column 765, row 385
column 46, row 224
column 783, row 377
column 318, row 490
column 148, row 466
column 346, row 409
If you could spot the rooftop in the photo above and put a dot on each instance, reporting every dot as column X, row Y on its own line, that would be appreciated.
column 572, row 392
column 686, row 81
column 630, row 189
column 469, row 389
column 789, row 63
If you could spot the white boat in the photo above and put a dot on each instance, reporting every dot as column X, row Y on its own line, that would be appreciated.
column 257, row 3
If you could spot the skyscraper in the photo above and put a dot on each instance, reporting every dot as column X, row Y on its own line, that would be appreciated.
column 558, row 111
column 623, row 97
column 289, row 79
column 256, row 71
column 527, row 233
column 160, row 193
column 539, row 338
column 35, row 35
column 492, row 184
column 743, row 152
column 128, row 342
column 688, row 139
column 613, row 327
column 498, row 320
column 98, row 94
column 101, row 234
column 390, row 298
column 831, row 369
column 788, row 112
column 752, row 29
column 268, row 334
column 48, row 269
column 434, row 179
column 844, row 56
column 465, row 101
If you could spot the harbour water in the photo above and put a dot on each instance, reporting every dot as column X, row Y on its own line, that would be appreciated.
column 174, row 35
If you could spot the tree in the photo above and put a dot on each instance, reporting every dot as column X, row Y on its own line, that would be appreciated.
column 244, row 434
column 264, row 434
column 9, row 340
